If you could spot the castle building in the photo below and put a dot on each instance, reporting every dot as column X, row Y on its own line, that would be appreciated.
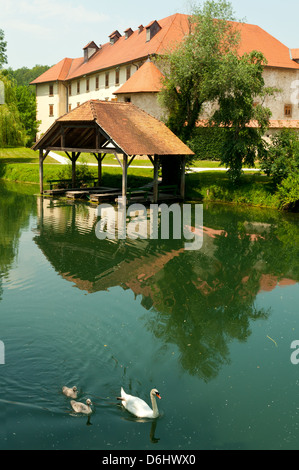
column 122, row 70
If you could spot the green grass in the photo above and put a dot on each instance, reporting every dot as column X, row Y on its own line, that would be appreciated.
column 21, row 165
column 20, row 155
column 254, row 189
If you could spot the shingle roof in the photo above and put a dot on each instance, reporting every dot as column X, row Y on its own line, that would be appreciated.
column 295, row 54
column 255, row 38
column 132, row 130
column 147, row 79
column 173, row 30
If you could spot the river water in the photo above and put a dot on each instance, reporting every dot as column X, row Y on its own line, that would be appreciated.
column 212, row 329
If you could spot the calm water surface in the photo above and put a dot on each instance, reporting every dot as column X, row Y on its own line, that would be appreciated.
column 211, row 329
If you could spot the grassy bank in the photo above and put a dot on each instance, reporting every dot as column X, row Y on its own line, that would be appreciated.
column 21, row 165
column 254, row 189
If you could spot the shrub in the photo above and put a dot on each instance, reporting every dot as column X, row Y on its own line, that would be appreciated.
column 282, row 158
column 207, row 143
column 288, row 192
column 83, row 172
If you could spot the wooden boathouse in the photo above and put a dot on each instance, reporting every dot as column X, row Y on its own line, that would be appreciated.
column 101, row 128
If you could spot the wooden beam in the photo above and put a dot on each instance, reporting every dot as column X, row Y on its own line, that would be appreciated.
column 151, row 159
column 100, row 159
column 74, row 159
column 86, row 150
column 41, row 171
column 125, row 177
column 183, row 177
column 131, row 160
column 156, row 181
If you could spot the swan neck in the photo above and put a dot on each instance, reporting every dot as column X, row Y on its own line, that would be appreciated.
column 155, row 406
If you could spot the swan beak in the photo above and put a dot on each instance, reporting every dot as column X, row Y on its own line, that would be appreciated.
column 158, row 395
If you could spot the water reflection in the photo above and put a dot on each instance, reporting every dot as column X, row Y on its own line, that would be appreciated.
column 15, row 212
column 199, row 301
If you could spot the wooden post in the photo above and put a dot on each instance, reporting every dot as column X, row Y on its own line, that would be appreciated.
column 156, row 174
column 99, row 169
column 125, row 175
column 183, row 171
column 74, row 159
column 41, row 171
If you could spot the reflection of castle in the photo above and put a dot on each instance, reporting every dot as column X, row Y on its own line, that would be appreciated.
column 197, row 300
column 132, row 265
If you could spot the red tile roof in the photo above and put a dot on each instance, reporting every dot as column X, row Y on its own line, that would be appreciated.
column 134, row 131
column 147, row 79
column 295, row 54
column 173, row 29
column 273, row 123
column 255, row 38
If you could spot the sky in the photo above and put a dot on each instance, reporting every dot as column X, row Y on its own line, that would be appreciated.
column 46, row 31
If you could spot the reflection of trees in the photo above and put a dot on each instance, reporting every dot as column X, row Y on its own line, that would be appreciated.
column 199, row 301
column 211, row 299
column 15, row 210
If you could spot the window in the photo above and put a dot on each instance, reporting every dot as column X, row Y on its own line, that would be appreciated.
column 97, row 83
column 78, row 88
column 128, row 72
column 51, row 110
column 70, row 89
column 87, row 85
column 288, row 110
column 127, row 99
column 117, row 77
column 107, row 80
column 51, row 90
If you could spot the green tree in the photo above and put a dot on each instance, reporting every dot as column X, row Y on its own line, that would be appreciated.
column 3, row 44
column 12, row 131
column 24, row 76
column 26, row 104
column 282, row 159
column 239, row 89
column 189, row 69
column 207, row 68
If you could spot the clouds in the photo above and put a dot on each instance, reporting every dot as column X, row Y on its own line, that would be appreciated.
column 44, row 31
column 45, row 11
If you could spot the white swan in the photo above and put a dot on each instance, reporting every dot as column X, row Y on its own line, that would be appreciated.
column 70, row 392
column 138, row 407
column 81, row 407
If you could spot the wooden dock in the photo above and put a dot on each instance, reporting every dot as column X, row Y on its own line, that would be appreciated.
column 98, row 195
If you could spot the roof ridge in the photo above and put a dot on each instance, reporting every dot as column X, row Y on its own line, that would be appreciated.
column 93, row 110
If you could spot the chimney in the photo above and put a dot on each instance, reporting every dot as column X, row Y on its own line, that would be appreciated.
column 140, row 28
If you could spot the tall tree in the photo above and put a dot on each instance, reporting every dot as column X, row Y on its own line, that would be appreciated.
column 240, row 90
column 3, row 44
column 189, row 69
column 12, row 131
column 207, row 68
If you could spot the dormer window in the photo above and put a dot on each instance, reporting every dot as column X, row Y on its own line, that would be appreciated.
column 152, row 29
column 128, row 33
column 114, row 37
column 90, row 50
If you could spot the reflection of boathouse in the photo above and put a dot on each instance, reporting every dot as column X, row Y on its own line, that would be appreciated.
column 67, row 238
column 198, row 300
